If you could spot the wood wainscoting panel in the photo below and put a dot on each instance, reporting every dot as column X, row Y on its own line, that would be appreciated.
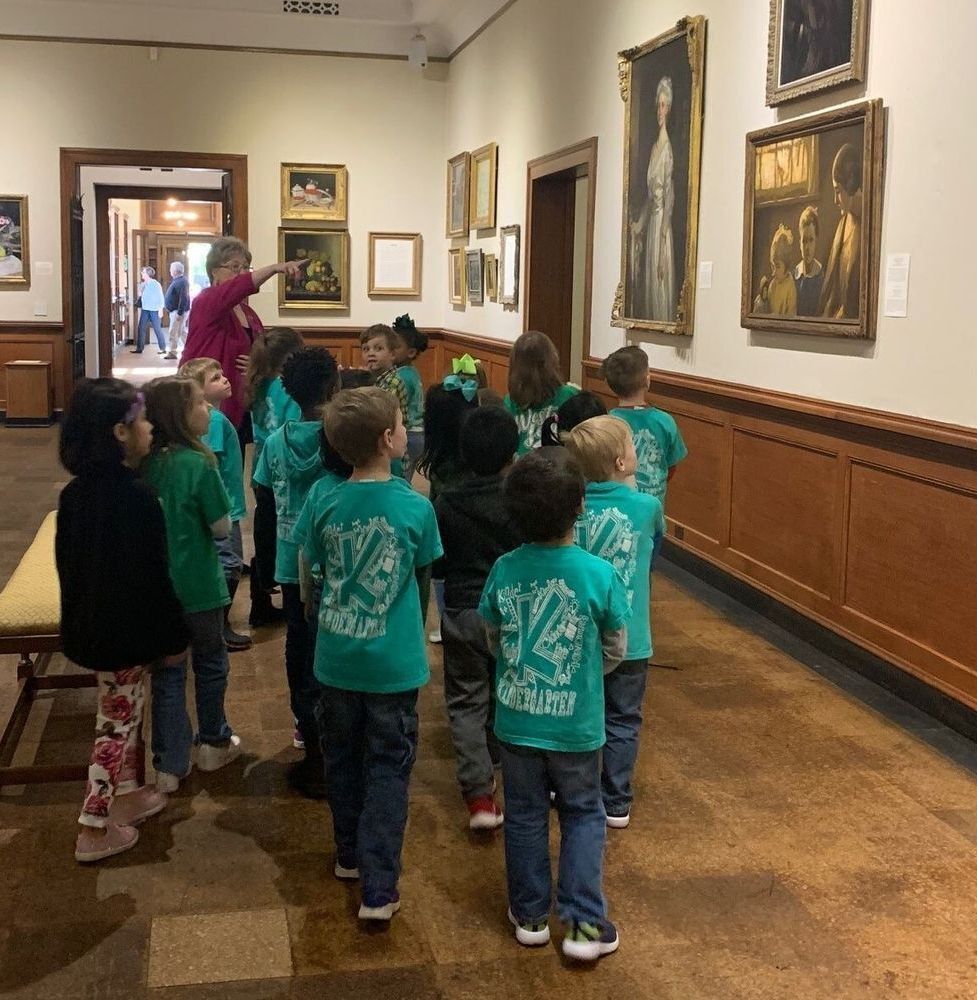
column 783, row 513
column 698, row 493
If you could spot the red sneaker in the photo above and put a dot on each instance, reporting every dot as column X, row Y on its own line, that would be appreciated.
column 484, row 814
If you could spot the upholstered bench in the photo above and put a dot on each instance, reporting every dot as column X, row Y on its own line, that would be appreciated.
column 30, row 625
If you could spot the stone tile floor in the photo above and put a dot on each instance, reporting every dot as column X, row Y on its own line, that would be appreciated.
column 798, row 833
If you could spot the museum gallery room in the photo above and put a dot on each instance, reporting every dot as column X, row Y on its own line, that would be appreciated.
column 623, row 341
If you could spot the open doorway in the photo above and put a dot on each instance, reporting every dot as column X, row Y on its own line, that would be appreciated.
column 560, row 251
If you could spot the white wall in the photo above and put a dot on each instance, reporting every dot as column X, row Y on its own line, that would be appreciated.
column 550, row 69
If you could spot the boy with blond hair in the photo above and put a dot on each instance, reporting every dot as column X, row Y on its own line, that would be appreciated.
column 623, row 527
column 657, row 440
column 222, row 439
column 370, row 537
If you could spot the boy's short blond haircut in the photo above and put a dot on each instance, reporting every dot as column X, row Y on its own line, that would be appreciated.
column 596, row 444
column 198, row 369
column 355, row 419
column 626, row 370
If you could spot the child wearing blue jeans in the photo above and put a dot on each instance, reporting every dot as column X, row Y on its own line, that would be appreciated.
column 370, row 536
column 625, row 527
column 557, row 618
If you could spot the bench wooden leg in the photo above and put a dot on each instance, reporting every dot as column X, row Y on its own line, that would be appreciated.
column 25, row 667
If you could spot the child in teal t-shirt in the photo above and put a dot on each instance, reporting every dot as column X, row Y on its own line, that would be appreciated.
column 371, row 537
column 410, row 344
column 557, row 617
column 271, row 406
column 624, row 527
column 657, row 439
column 222, row 439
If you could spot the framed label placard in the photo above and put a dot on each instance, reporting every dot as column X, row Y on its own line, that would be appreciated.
column 395, row 265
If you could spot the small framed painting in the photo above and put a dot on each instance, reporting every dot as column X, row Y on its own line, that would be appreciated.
column 15, row 261
column 395, row 265
column 491, row 265
column 324, row 283
column 484, row 168
column 314, row 192
column 456, row 193
column 509, row 267
column 474, row 277
column 456, row 276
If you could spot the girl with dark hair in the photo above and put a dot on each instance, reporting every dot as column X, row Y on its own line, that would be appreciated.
column 575, row 410
column 411, row 342
column 110, row 549
column 536, row 387
column 270, row 405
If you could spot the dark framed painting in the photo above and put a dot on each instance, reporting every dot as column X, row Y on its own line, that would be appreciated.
column 324, row 283
column 814, row 45
column 812, row 223
column 15, row 260
column 456, row 196
column 314, row 192
column 661, row 85
column 474, row 277
column 456, row 276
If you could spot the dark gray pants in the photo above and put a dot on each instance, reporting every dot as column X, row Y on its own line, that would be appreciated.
column 469, row 691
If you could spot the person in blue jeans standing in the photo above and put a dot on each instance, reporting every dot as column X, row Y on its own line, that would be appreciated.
column 557, row 618
column 370, row 536
column 151, row 305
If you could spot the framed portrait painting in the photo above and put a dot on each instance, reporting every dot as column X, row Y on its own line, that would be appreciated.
column 456, row 276
column 474, row 277
column 814, row 45
column 395, row 265
column 324, row 283
column 812, row 223
column 15, row 261
column 484, row 170
column 661, row 85
column 314, row 192
column 456, row 196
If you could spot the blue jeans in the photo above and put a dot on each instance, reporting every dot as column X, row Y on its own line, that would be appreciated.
column 529, row 774
column 624, row 692
column 172, row 731
column 230, row 552
column 415, row 448
column 370, row 743
column 147, row 316
column 303, row 688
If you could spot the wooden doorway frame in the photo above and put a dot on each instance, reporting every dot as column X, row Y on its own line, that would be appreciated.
column 103, row 293
column 582, row 159
column 73, row 159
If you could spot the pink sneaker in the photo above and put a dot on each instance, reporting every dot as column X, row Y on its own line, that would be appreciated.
column 137, row 806
column 484, row 814
column 89, row 847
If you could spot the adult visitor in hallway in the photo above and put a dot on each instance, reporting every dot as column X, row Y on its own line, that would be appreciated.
column 150, row 305
column 177, row 303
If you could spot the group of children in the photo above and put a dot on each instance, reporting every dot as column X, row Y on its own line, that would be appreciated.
column 544, row 518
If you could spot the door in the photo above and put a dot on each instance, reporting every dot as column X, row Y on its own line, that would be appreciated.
column 171, row 249
column 76, row 284
column 227, row 204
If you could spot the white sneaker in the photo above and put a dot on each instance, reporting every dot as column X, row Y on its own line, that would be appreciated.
column 211, row 758
column 382, row 912
column 346, row 874
column 167, row 783
column 435, row 636
column 619, row 822
column 530, row 935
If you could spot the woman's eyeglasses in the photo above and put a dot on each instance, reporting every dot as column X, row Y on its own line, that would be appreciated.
column 236, row 268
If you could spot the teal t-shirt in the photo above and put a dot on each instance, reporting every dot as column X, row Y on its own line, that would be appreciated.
column 193, row 498
column 317, row 495
column 658, row 443
column 620, row 525
column 221, row 438
column 289, row 465
column 530, row 419
column 369, row 538
column 551, row 606
column 415, row 397
column 272, row 408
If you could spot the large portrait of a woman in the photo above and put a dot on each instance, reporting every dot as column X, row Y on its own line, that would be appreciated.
column 661, row 84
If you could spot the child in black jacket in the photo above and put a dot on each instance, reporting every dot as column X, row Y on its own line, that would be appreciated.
column 475, row 531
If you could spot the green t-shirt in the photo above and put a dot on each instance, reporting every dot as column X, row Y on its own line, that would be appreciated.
column 317, row 495
column 272, row 408
column 221, row 438
column 370, row 538
column 193, row 498
column 289, row 465
column 415, row 397
column 530, row 419
column 551, row 606
column 620, row 525
column 658, row 443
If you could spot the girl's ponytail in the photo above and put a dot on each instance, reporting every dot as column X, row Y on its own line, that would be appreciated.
column 269, row 352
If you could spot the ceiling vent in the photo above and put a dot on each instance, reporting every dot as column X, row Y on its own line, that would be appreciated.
column 320, row 8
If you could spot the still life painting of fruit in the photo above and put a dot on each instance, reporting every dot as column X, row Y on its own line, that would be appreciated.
column 324, row 282
column 314, row 192
column 14, row 262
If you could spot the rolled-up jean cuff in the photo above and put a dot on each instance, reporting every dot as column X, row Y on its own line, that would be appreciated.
column 230, row 551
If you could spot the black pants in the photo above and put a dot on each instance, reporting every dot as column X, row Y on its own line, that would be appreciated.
column 304, row 690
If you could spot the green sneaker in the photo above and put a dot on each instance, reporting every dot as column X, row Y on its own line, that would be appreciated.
column 588, row 942
column 529, row 933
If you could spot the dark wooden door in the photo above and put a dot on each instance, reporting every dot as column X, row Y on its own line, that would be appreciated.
column 76, row 258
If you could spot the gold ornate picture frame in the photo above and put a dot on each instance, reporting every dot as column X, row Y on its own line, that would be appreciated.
column 456, row 276
column 15, row 257
column 661, row 85
column 491, row 277
column 807, row 52
column 475, row 277
column 509, row 264
column 314, row 192
column 395, row 265
column 482, row 186
column 456, row 195
column 324, row 284
column 811, row 243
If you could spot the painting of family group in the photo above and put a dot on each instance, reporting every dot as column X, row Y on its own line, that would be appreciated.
column 662, row 88
column 809, row 221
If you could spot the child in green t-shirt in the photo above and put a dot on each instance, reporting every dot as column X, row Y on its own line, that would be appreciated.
column 657, row 440
column 222, row 439
column 536, row 386
column 289, row 467
column 370, row 536
column 557, row 618
column 196, row 510
column 624, row 527
column 410, row 343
